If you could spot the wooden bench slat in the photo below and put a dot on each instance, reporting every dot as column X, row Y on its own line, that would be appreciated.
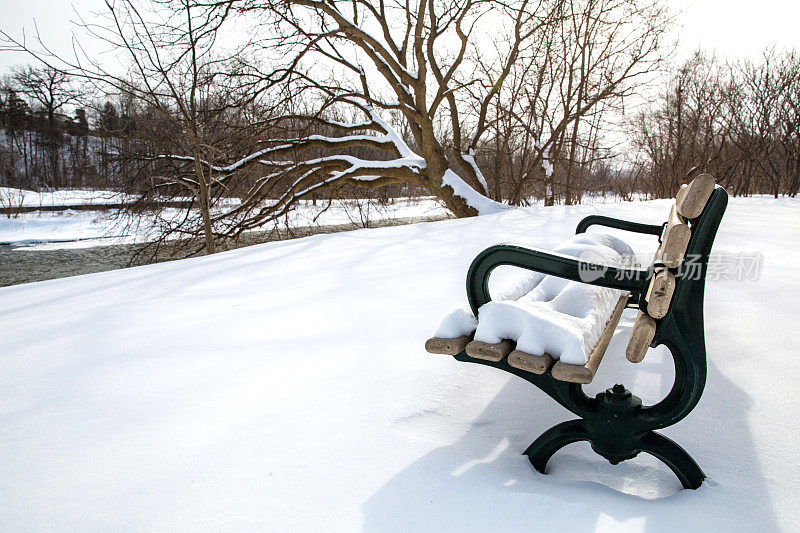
column 535, row 364
column 659, row 293
column 644, row 330
column 490, row 352
column 440, row 345
column 585, row 373
column 674, row 240
column 692, row 198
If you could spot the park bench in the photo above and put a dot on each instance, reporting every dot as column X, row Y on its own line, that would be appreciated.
column 669, row 296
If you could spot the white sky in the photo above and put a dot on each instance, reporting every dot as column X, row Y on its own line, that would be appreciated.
column 736, row 28
column 53, row 19
column 732, row 28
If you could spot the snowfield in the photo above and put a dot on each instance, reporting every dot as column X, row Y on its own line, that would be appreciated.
column 63, row 226
column 285, row 387
column 10, row 197
column 114, row 227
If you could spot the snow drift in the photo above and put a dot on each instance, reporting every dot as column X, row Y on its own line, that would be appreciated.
column 285, row 387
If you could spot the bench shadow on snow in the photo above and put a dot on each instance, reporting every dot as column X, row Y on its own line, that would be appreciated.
column 482, row 482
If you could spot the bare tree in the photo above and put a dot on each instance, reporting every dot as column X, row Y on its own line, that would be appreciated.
column 572, row 84
column 51, row 88
column 687, row 128
column 766, row 121
column 409, row 75
column 428, row 71
column 737, row 121
column 187, row 84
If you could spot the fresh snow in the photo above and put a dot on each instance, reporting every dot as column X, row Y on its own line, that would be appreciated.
column 10, row 197
column 111, row 227
column 482, row 204
column 469, row 157
column 456, row 324
column 60, row 226
column 285, row 387
column 547, row 314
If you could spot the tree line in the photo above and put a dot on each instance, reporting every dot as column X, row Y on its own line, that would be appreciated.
column 739, row 121
column 51, row 138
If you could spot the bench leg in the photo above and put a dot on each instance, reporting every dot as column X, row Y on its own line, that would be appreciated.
column 657, row 445
column 553, row 440
column 675, row 457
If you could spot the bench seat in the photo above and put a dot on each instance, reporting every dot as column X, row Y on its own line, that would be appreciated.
column 536, row 364
column 544, row 320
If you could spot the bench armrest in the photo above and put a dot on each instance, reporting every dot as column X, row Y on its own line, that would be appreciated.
column 563, row 266
column 636, row 227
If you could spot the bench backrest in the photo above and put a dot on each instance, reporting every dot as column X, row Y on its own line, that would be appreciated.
column 680, row 261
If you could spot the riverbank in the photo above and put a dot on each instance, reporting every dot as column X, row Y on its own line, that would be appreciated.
column 28, row 263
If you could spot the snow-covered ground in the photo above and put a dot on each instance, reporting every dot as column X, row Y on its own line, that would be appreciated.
column 61, row 226
column 23, row 198
column 109, row 227
column 357, row 212
column 284, row 387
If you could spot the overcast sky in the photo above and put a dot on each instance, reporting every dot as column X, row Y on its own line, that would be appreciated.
column 732, row 28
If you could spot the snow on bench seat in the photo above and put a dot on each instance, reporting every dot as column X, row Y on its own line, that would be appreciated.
column 545, row 318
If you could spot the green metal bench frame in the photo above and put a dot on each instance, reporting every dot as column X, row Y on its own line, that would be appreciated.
column 615, row 422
